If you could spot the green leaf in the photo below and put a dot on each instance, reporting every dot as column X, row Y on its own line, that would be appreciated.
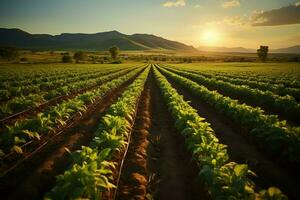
column 273, row 191
column 104, row 153
column 17, row 149
column 240, row 170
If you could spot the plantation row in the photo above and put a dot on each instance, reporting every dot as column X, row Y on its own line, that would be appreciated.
column 285, row 79
column 43, row 77
column 225, row 179
column 256, row 84
column 92, row 171
column 33, row 128
column 22, row 103
column 249, row 82
column 273, row 75
column 275, row 136
column 94, row 168
column 92, row 174
column 286, row 106
column 16, row 90
column 28, row 74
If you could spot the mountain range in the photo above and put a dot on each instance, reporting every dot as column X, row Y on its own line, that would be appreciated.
column 103, row 40
column 288, row 50
column 93, row 42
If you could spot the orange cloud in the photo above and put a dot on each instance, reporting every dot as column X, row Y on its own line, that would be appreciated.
column 174, row 3
column 282, row 16
column 231, row 3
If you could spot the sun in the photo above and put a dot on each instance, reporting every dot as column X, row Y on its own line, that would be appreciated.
column 210, row 37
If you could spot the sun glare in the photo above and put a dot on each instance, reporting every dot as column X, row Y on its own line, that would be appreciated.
column 210, row 37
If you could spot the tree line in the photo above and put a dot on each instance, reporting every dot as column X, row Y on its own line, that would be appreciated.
column 12, row 53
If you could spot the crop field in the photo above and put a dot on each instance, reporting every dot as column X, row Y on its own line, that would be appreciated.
column 150, row 131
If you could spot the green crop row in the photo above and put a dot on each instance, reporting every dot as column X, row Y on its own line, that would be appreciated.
column 44, row 77
column 253, row 83
column 225, row 179
column 20, row 74
column 286, row 105
column 284, row 79
column 24, row 90
column 22, row 103
column 276, row 137
column 91, row 172
column 32, row 128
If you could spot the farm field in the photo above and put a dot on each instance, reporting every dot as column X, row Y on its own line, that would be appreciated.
column 150, row 131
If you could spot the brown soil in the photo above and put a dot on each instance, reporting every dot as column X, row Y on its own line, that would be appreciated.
column 241, row 150
column 33, row 111
column 37, row 175
column 173, row 174
column 133, row 180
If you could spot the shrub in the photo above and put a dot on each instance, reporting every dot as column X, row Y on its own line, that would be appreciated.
column 116, row 62
column 66, row 59
column 24, row 59
column 9, row 53
column 79, row 55
column 262, row 53
column 114, row 52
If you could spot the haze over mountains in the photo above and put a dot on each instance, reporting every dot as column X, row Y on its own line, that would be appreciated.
column 103, row 40
column 289, row 50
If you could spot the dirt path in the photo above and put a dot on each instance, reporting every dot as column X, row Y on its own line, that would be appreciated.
column 173, row 174
column 240, row 150
column 133, row 181
column 37, row 175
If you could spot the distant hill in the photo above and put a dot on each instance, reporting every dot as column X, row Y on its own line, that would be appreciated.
column 226, row 49
column 80, row 41
column 293, row 49
column 289, row 50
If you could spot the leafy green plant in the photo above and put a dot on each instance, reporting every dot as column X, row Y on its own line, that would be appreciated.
column 275, row 136
column 32, row 128
column 286, row 104
column 24, row 98
column 88, row 177
column 225, row 180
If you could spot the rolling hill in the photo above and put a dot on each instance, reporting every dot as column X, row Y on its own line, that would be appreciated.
column 288, row 50
column 92, row 42
column 293, row 49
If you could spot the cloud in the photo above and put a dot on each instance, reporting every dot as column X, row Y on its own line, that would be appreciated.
column 235, row 21
column 176, row 3
column 282, row 16
column 231, row 4
column 197, row 6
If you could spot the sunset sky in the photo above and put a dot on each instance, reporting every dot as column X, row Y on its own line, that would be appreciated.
column 230, row 23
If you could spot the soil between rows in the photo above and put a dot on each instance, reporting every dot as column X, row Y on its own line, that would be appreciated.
column 241, row 150
column 173, row 174
column 34, row 177
column 133, row 180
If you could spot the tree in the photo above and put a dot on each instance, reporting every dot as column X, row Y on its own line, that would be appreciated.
column 9, row 53
column 79, row 55
column 262, row 53
column 66, row 59
column 114, row 52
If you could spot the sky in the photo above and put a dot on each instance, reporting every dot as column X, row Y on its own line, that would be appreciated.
column 230, row 23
